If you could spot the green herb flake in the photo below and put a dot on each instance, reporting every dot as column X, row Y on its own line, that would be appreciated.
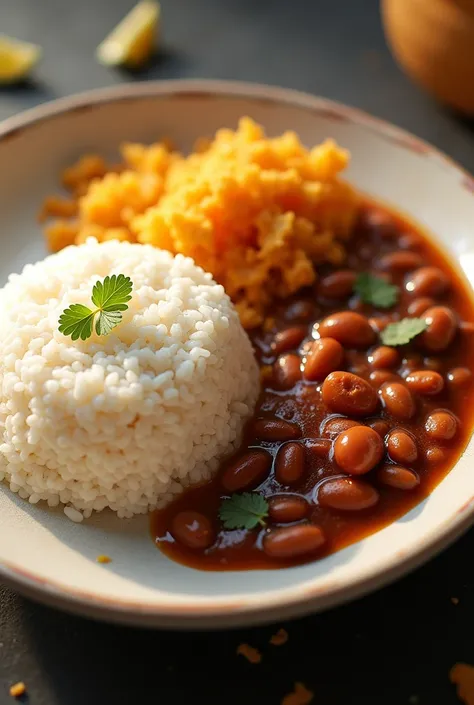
column 401, row 332
column 243, row 511
column 376, row 291
column 110, row 298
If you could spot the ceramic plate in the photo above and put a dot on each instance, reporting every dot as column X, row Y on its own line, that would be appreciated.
column 47, row 557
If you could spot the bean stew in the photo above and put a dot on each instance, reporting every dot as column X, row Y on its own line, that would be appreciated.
column 350, row 432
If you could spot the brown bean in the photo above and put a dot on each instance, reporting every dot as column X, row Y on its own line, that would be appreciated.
column 419, row 306
column 379, row 377
column 398, row 477
column 398, row 400
column 433, row 363
column 435, row 455
column 381, row 427
column 247, row 471
column 349, row 328
column 459, row 377
column 275, row 430
column 293, row 541
column 338, row 285
column 401, row 447
column 425, row 382
column 358, row 450
column 427, row 281
column 332, row 426
column 287, row 371
column 359, row 370
column 319, row 447
column 300, row 311
column 347, row 494
column 356, row 304
column 378, row 222
column 441, row 425
column 345, row 393
column 466, row 327
column 442, row 325
column 379, row 323
column 289, row 463
column 288, row 339
column 400, row 261
column 325, row 356
column 412, row 362
column 409, row 241
column 384, row 357
column 354, row 357
column 285, row 508
column 192, row 529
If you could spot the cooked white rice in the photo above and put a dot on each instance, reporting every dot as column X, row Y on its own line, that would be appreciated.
column 127, row 420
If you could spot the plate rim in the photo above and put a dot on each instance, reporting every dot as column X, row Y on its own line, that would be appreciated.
column 282, row 603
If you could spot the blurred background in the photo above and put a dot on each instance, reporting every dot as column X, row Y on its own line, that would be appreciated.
column 333, row 48
column 396, row 647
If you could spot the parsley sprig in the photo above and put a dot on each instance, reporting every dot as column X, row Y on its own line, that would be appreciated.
column 375, row 290
column 244, row 511
column 110, row 298
column 401, row 332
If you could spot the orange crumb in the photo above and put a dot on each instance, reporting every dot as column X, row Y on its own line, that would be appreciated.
column 266, row 372
column 61, row 233
column 462, row 675
column 103, row 559
column 87, row 168
column 455, row 600
column 17, row 690
column 251, row 654
column 259, row 213
column 300, row 696
column 268, row 324
column 280, row 638
column 57, row 207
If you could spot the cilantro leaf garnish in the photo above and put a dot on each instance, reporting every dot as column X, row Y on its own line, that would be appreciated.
column 243, row 511
column 376, row 291
column 110, row 298
column 401, row 332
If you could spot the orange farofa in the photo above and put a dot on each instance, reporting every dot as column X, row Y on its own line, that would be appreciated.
column 250, row 653
column 462, row 675
column 258, row 213
column 300, row 696
column 17, row 690
column 280, row 638
column 102, row 558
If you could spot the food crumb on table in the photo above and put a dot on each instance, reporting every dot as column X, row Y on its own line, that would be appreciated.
column 17, row 690
column 103, row 559
column 252, row 654
column 280, row 638
column 462, row 675
column 455, row 600
column 300, row 696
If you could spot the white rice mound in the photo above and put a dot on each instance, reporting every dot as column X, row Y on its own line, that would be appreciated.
column 126, row 420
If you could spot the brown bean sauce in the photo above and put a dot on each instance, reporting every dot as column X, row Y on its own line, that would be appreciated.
column 351, row 506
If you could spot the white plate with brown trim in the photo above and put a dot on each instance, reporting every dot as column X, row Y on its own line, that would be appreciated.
column 52, row 559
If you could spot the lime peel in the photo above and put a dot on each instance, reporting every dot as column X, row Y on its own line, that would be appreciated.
column 17, row 58
column 134, row 39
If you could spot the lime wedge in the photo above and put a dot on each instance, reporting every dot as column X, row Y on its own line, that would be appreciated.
column 134, row 39
column 16, row 59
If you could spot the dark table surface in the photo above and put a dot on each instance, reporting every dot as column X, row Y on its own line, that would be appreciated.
column 391, row 648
